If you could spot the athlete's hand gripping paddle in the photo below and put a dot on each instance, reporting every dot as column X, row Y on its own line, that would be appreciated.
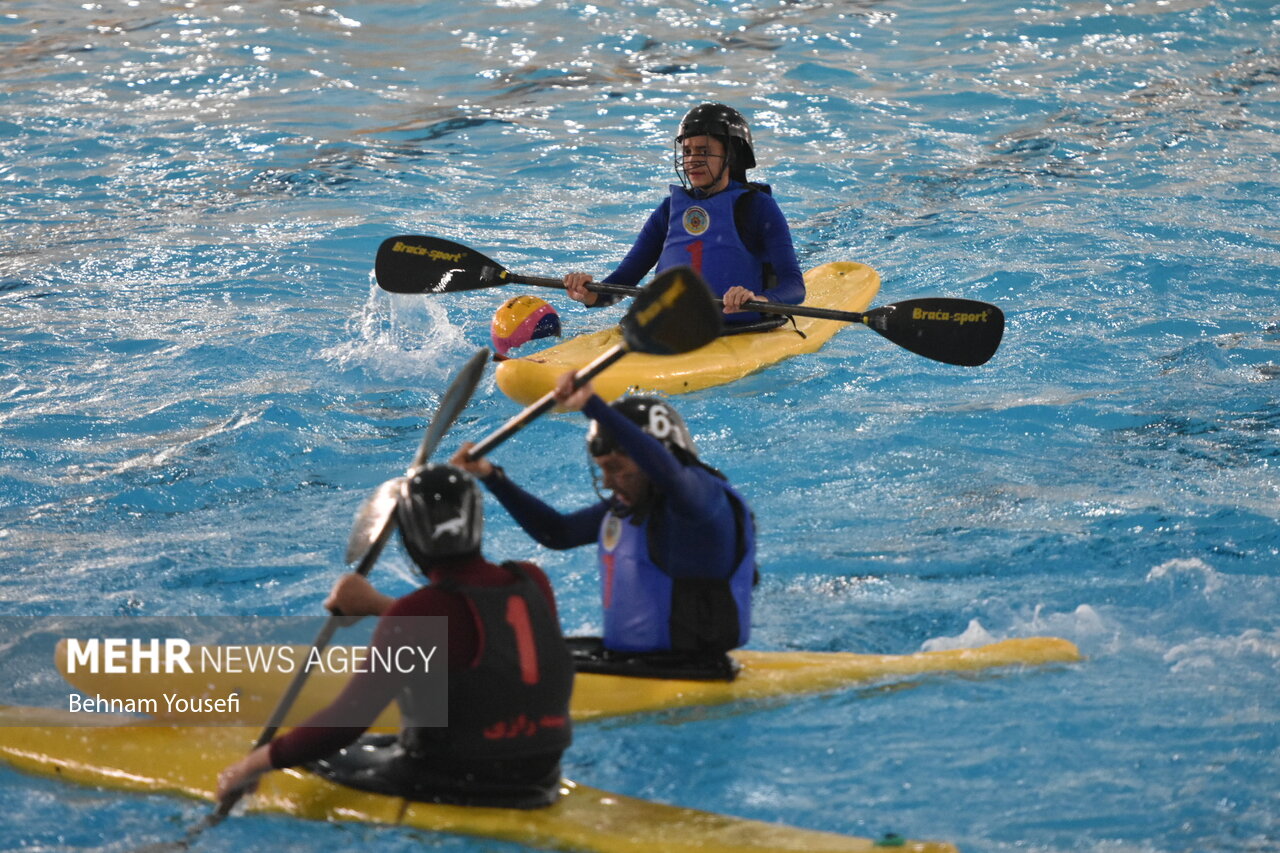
column 954, row 331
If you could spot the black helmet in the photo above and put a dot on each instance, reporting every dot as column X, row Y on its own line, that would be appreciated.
column 655, row 417
column 728, row 124
column 440, row 514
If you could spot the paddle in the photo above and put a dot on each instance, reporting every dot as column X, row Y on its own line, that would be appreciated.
column 674, row 313
column 953, row 331
column 375, row 522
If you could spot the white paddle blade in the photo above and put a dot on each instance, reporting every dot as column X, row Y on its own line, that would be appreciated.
column 372, row 518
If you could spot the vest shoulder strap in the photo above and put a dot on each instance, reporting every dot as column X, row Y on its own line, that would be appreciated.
column 740, row 217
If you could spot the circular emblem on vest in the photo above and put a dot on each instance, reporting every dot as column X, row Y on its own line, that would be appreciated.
column 696, row 220
column 612, row 532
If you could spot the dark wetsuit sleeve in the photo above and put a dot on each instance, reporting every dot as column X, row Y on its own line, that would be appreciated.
column 767, row 228
column 547, row 525
column 681, row 484
column 643, row 256
column 348, row 716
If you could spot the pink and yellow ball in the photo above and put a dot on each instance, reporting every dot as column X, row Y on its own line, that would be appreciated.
column 522, row 319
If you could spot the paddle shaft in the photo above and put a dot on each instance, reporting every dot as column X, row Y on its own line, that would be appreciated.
column 452, row 404
column 953, row 331
column 321, row 642
column 751, row 304
column 544, row 404
column 374, row 513
column 674, row 314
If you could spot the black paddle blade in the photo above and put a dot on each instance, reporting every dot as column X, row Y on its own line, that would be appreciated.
column 417, row 264
column 675, row 313
column 953, row 331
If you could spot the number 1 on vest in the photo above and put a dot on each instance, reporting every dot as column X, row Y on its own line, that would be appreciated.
column 518, row 619
column 695, row 255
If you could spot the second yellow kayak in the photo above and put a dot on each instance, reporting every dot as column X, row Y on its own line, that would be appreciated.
column 844, row 286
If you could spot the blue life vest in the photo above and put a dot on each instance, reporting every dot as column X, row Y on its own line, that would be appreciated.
column 702, row 233
column 647, row 610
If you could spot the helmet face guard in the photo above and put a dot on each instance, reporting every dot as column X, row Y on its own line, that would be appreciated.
column 718, row 172
column 440, row 514
column 726, row 124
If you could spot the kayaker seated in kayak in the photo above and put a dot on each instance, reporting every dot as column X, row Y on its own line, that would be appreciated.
column 676, row 542
column 509, row 673
column 728, row 229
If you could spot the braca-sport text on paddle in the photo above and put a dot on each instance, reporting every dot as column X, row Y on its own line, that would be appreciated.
column 953, row 331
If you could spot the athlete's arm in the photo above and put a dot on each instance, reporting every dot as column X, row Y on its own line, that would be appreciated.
column 547, row 525
column 643, row 255
column 767, row 228
column 544, row 523
column 365, row 695
column 679, row 483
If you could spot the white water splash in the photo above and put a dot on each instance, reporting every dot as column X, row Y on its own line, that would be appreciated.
column 1082, row 623
column 1191, row 570
column 398, row 336
column 974, row 635
column 1208, row 653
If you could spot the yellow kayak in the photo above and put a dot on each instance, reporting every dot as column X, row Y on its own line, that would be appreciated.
column 185, row 760
column 844, row 286
column 763, row 675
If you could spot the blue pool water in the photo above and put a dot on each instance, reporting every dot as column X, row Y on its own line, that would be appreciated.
column 199, row 382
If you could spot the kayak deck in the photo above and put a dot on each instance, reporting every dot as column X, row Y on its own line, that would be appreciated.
column 843, row 286
column 773, row 674
column 185, row 760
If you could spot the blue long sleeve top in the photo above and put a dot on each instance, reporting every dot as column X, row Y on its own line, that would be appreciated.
column 763, row 228
column 696, row 535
